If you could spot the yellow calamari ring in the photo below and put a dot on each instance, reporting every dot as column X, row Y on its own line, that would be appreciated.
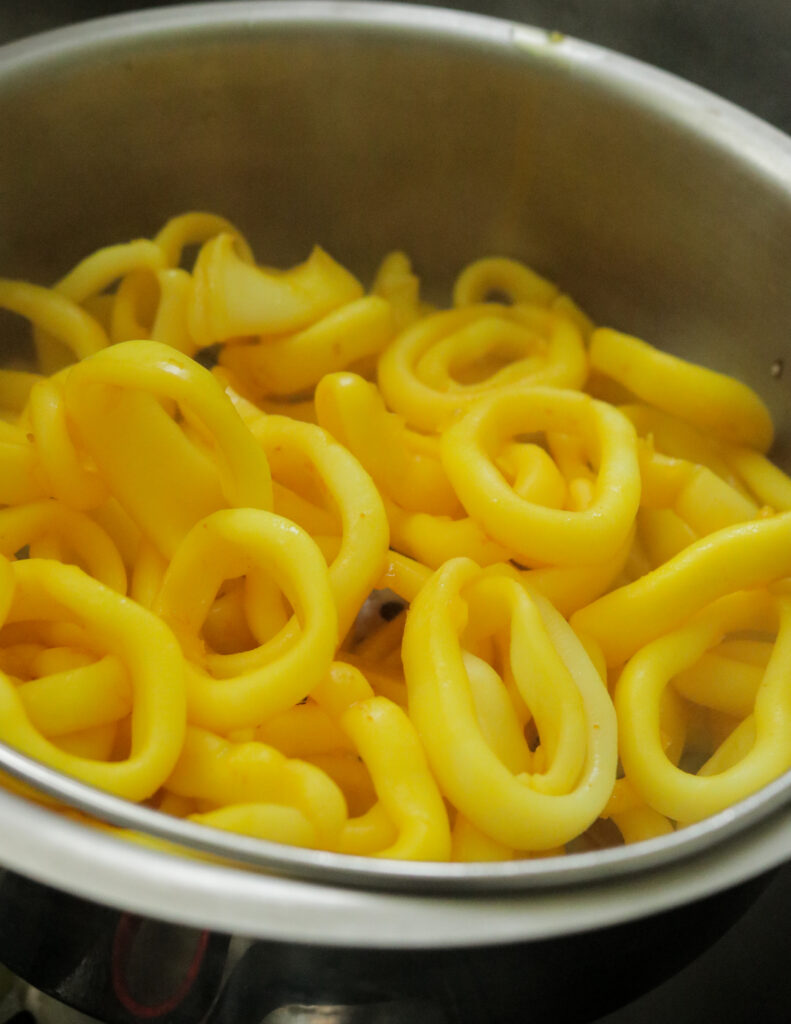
column 512, row 809
column 389, row 746
column 294, row 363
column 216, row 770
column 228, row 544
column 680, row 795
column 52, row 592
column 535, row 533
column 113, row 400
column 422, row 373
column 747, row 555
column 709, row 400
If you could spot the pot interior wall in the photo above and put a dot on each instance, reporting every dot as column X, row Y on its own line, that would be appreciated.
column 364, row 139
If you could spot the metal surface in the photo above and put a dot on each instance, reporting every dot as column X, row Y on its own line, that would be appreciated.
column 425, row 876
column 662, row 209
column 741, row 49
column 122, row 967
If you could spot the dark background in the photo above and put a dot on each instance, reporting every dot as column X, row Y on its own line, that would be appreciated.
column 740, row 49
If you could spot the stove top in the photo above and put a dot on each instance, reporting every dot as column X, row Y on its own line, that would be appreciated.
column 742, row 979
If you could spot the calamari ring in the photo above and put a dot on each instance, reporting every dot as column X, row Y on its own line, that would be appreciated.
column 362, row 555
column 53, row 592
column 389, row 746
column 78, row 698
column 417, row 495
column 681, row 795
column 26, row 524
column 122, row 386
column 70, row 480
column 747, row 555
column 195, row 228
column 535, row 533
column 153, row 304
column 497, row 274
column 420, row 373
column 509, row 808
column 296, row 362
column 711, row 401
column 212, row 768
column 395, row 282
column 70, row 332
column 98, row 271
column 22, row 477
column 405, row 465
column 233, row 297
column 228, row 544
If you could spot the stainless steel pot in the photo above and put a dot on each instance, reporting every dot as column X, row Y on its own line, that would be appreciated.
column 661, row 208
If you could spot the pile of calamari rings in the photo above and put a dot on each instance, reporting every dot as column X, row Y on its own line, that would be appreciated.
column 335, row 568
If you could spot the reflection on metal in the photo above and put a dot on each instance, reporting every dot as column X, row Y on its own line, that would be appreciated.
column 23, row 1004
column 403, row 1012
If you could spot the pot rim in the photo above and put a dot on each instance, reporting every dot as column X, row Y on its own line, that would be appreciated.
column 512, row 901
column 108, row 870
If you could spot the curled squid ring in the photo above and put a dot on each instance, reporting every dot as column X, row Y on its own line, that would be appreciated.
column 195, row 228
column 165, row 291
column 294, row 363
column 22, row 477
column 51, row 592
column 389, row 746
column 435, row 369
column 632, row 816
column 233, row 297
column 711, row 401
column 570, row 587
column 170, row 325
column 426, row 518
column 670, row 435
column 232, row 543
column 85, row 695
column 153, row 304
column 143, row 268
column 727, row 678
column 469, row 844
column 538, row 534
column 680, row 795
column 739, row 466
column 114, row 401
column 433, row 540
column 737, row 557
column 395, row 282
column 767, row 482
column 70, row 480
column 303, row 731
column 75, row 333
column 99, row 270
column 361, row 557
column 542, row 809
column 697, row 495
column 77, row 535
column 496, row 274
column 270, row 821
column 243, row 778
column 404, row 465
column 405, row 576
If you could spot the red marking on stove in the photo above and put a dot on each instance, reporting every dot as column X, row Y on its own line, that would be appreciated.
column 125, row 935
